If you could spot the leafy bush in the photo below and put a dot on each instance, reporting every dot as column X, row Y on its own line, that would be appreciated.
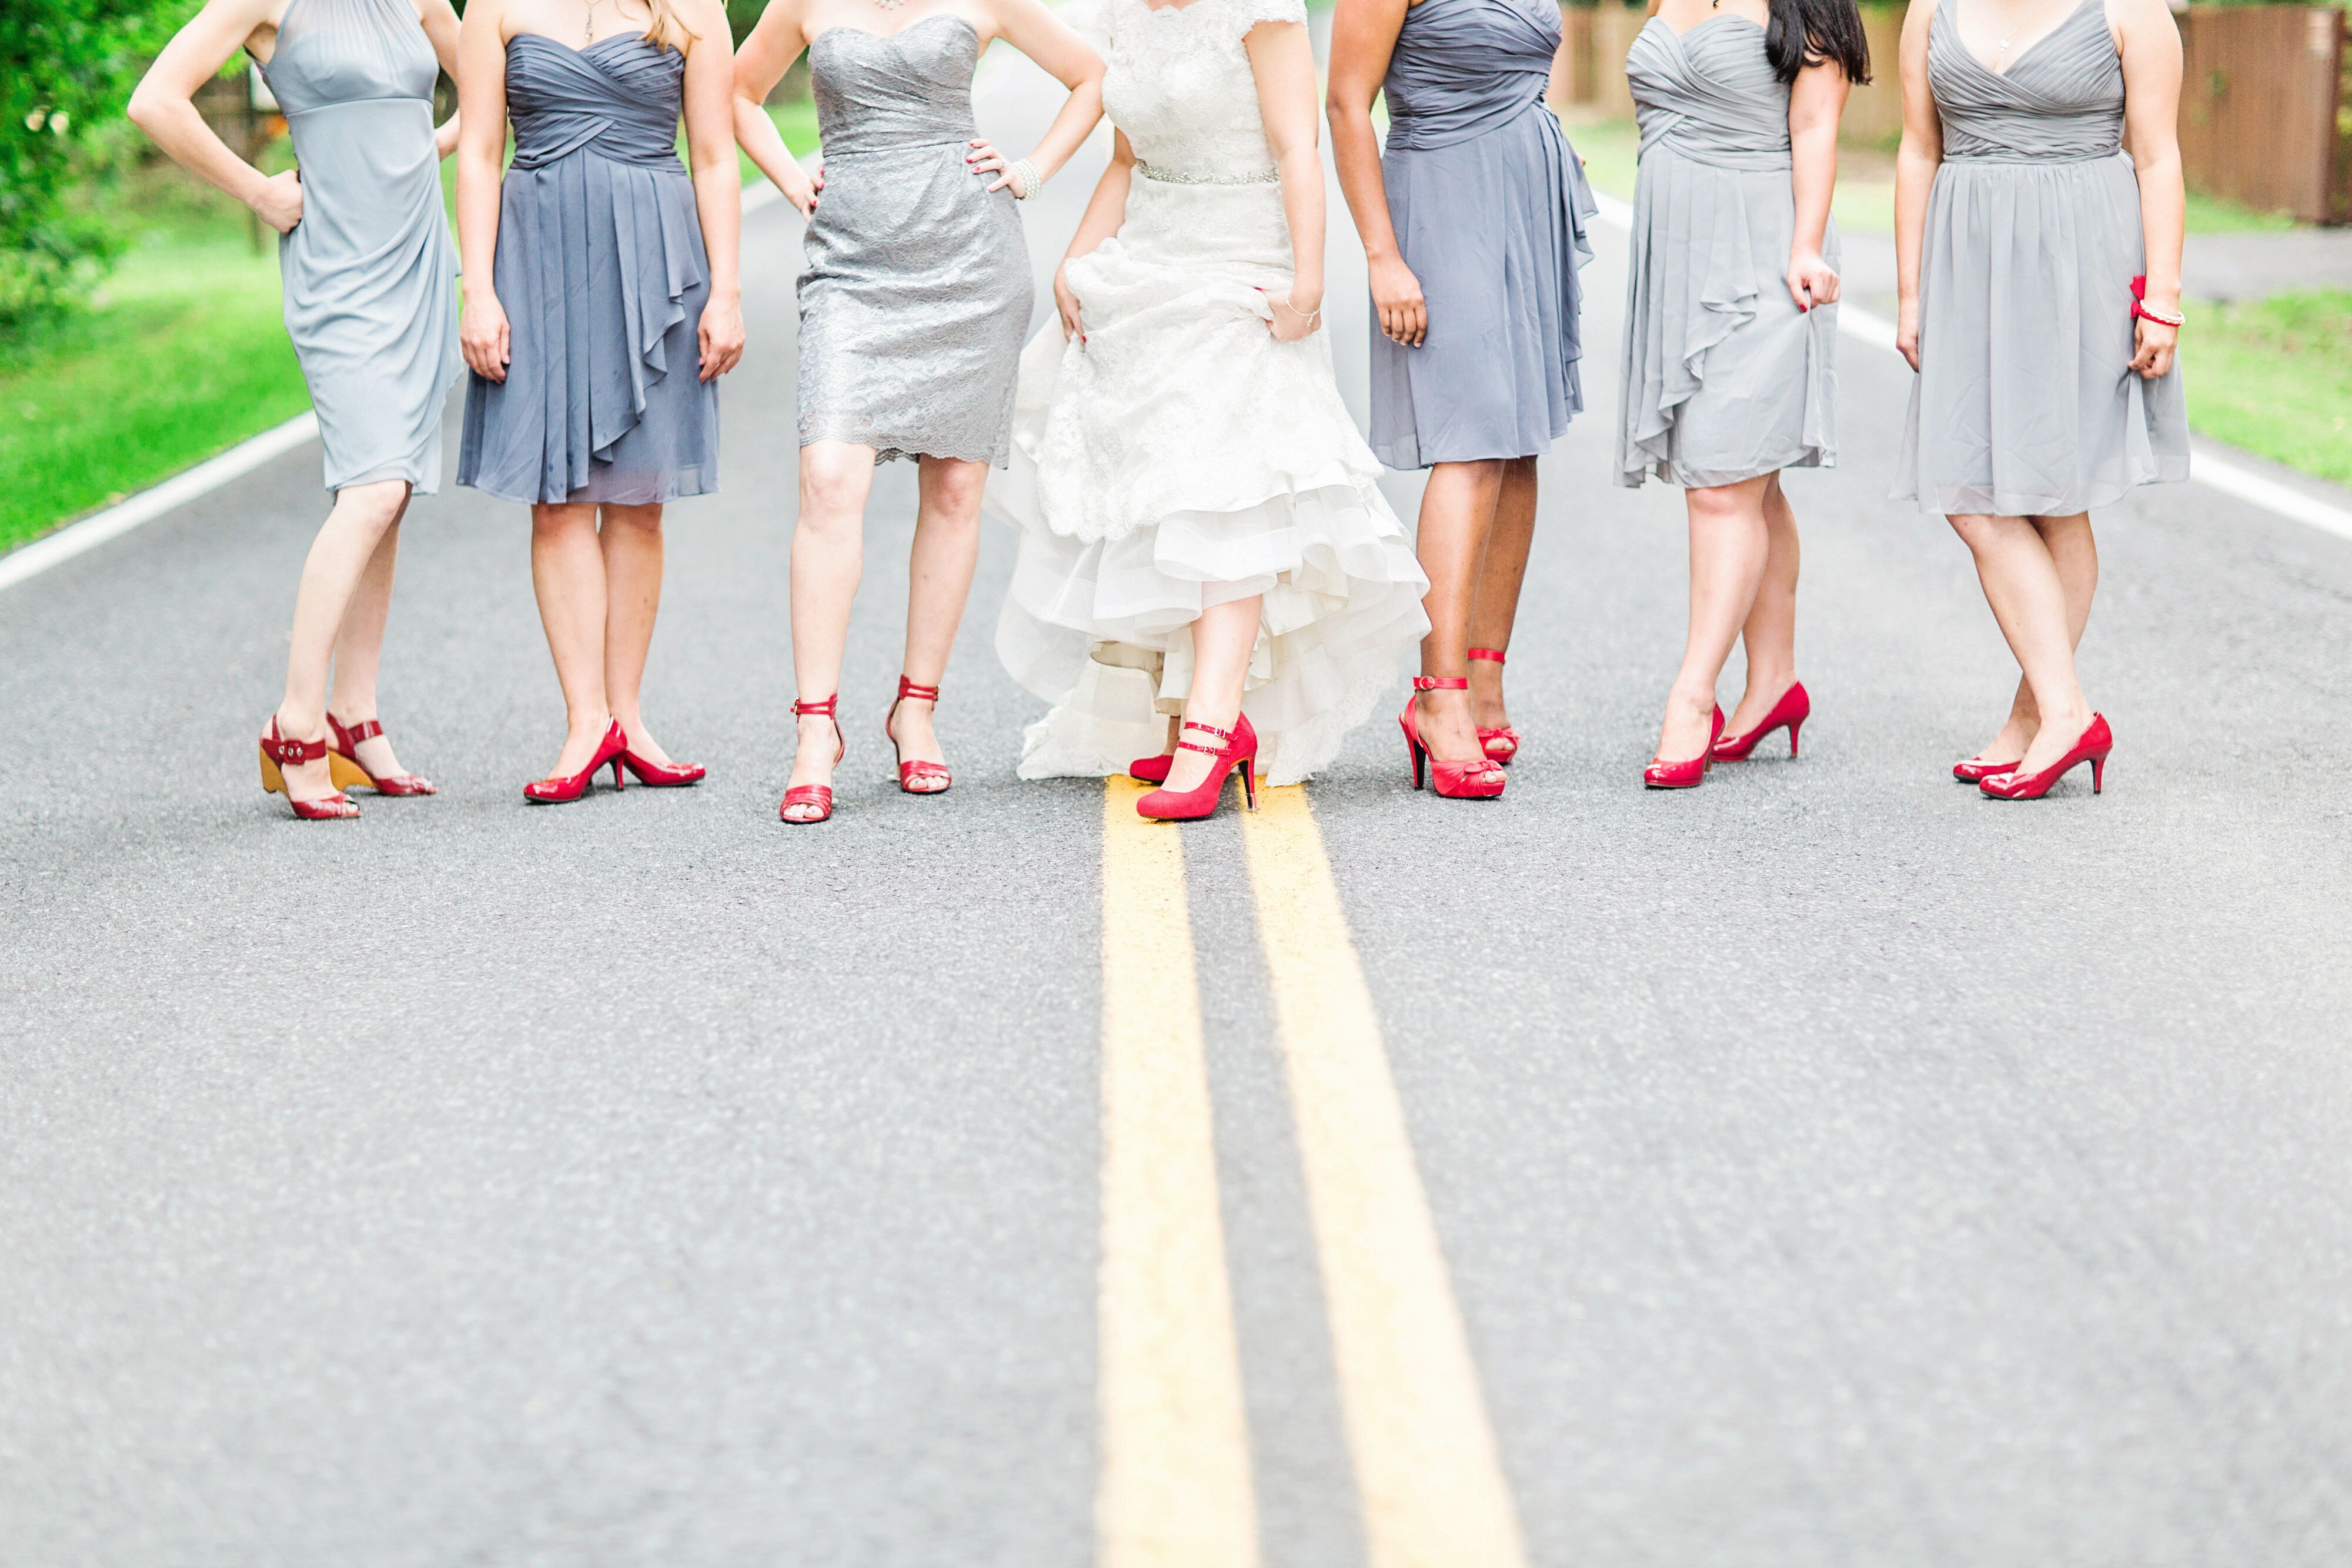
column 65, row 67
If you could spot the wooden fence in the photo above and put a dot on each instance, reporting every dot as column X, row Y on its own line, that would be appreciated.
column 2260, row 102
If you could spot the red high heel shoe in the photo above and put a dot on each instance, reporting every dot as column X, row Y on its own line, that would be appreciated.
column 817, row 795
column 278, row 753
column 1239, row 750
column 656, row 775
column 1150, row 769
column 911, row 773
column 1663, row 775
column 2096, row 741
column 557, row 791
column 343, row 764
column 1975, row 770
column 1790, row 713
column 1479, row 780
column 1502, row 744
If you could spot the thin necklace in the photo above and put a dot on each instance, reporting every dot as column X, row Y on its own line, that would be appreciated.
column 2002, row 47
column 588, row 33
column 890, row 5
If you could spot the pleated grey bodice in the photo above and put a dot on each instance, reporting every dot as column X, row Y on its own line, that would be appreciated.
column 624, row 107
column 875, row 93
column 369, row 270
column 2061, row 99
column 1462, row 67
column 1709, row 94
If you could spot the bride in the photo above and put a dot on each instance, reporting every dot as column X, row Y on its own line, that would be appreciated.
column 1200, row 532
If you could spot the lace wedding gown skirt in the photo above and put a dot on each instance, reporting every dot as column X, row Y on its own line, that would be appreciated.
column 1180, row 457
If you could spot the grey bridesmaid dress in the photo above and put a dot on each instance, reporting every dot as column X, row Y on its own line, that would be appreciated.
column 916, row 293
column 2026, row 403
column 1722, row 378
column 603, row 275
column 369, row 271
column 1490, row 205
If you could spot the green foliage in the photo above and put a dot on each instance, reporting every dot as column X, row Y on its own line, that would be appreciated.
column 65, row 67
column 2274, row 376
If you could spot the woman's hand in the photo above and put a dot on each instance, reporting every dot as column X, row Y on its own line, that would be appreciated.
column 1811, row 280
column 1906, row 332
column 1066, row 302
column 1396, row 295
column 2153, row 343
column 985, row 159
column 279, row 201
column 482, row 336
column 721, row 335
column 1290, row 323
column 800, row 191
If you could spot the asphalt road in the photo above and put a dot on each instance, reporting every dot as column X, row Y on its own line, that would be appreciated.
column 1831, row 1166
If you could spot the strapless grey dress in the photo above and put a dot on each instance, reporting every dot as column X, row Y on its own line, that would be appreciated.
column 1722, row 378
column 916, row 293
column 1490, row 206
column 602, row 274
column 369, row 272
column 2025, row 404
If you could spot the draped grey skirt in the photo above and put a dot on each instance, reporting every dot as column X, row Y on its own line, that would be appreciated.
column 913, row 307
column 2025, row 404
column 603, row 275
column 1495, row 229
column 1723, row 378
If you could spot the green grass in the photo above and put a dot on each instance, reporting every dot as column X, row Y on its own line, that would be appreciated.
column 2274, row 377
column 182, row 354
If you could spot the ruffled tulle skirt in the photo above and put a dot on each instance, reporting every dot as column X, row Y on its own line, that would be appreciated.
column 1178, row 457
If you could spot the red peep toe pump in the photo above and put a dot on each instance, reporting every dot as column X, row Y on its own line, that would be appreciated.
column 558, row 791
column 1664, row 774
column 1238, row 749
column 350, row 773
column 1502, row 744
column 914, row 774
column 817, row 795
column 1479, row 780
column 277, row 754
column 1789, row 714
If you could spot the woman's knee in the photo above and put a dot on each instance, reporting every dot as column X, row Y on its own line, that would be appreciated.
column 834, row 481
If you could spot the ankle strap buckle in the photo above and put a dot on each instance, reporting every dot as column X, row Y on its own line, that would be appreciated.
column 1440, row 684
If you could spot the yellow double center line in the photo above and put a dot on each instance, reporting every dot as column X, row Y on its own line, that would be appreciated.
column 1175, row 1488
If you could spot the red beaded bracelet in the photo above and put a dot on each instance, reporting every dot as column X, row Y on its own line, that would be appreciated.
column 2140, row 309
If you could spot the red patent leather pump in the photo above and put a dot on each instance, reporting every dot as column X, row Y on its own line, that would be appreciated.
column 2096, row 741
column 1789, row 714
column 1664, row 774
column 558, row 790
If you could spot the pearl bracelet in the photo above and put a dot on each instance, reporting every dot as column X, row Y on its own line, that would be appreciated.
column 1026, row 181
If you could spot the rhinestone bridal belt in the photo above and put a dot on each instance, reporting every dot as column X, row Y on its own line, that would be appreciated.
column 1180, row 177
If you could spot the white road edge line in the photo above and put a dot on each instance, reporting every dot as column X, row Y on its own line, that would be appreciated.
column 2232, row 480
column 195, row 483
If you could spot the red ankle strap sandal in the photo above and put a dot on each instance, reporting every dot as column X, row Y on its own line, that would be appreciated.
column 915, row 778
column 817, row 795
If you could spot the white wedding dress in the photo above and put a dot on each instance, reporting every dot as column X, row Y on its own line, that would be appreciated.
column 1180, row 457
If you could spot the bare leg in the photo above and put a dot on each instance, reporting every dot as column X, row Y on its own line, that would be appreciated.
column 1727, row 550
column 1457, row 510
column 331, row 576
column 2019, row 568
column 1770, row 632
column 567, row 573
column 828, row 554
column 946, row 547
column 1496, row 604
column 359, row 651
column 2076, row 555
column 1222, row 640
column 631, row 540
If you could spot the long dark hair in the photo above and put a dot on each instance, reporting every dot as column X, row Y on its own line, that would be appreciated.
column 1811, row 32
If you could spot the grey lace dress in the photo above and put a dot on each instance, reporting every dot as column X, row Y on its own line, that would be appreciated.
column 1723, row 378
column 369, row 272
column 2026, row 403
column 917, row 292
column 602, row 274
column 1490, row 204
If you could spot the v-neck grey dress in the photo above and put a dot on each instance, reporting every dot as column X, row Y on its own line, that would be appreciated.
column 369, row 274
column 916, row 293
column 1723, row 378
column 2026, row 403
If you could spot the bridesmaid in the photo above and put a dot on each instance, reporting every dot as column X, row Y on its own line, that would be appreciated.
column 2022, row 235
column 597, row 391
column 1474, row 227
column 912, row 310
column 370, row 305
column 1730, row 369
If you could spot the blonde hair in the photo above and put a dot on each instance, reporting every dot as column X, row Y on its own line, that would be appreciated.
column 662, row 28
